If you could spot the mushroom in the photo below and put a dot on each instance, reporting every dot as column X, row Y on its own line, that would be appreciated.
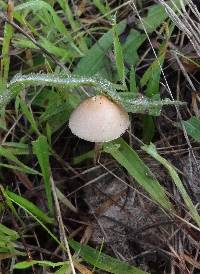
column 98, row 119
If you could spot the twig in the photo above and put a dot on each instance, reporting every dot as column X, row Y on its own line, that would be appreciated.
column 61, row 225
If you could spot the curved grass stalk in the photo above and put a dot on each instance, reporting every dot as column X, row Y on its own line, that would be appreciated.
column 101, row 86
column 62, row 81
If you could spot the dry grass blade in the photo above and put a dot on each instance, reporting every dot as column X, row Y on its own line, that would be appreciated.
column 187, row 20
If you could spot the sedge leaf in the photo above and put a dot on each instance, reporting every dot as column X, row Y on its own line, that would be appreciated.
column 28, row 206
column 41, row 149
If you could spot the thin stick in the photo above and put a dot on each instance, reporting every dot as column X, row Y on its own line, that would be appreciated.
column 61, row 225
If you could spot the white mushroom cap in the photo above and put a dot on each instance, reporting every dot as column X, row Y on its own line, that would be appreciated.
column 97, row 119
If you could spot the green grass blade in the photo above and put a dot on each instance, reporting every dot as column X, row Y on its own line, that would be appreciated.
column 4, row 152
column 26, row 264
column 149, row 130
column 118, row 55
column 103, row 261
column 29, row 206
column 133, row 85
column 5, row 62
column 41, row 149
column 9, row 232
column 151, row 150
column 130, row 160
column 63, row 270
column 101, row 7
column 151, row 77
column 73, row 23
column 192, row 127
column 29, row 116
column 38, row 5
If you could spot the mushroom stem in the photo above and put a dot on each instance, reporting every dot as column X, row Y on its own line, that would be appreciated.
column 97, row 152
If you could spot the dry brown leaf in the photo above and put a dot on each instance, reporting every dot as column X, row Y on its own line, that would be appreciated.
column 81, row 268
column 24, row 180
column 191, row 261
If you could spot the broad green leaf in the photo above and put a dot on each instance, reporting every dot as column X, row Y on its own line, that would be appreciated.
column 148, row 129
column 131, row 161
column 95, row 61
column 156, row 16
column 41, row 149
column 58, row 110
column 192, row 127
column 151, row 150
column 28, row 206
column 4, row 152
column 26, row 264
column 103, row 261
column 130, row 48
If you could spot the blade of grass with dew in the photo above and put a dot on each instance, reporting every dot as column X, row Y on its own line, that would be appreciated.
column 151, row 150
column 103, row 261
column 137, row 105
column 29, row 116
column 29, row 206
column 131, row 161
column 147, row 105
column 6, row 153
column 41, row 149
column 119, row 59
column 61, row 81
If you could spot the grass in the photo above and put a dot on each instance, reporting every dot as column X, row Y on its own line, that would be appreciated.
column 55, row 53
